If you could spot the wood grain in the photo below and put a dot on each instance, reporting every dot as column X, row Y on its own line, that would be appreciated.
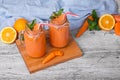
column 71, row 51
column 101, row 60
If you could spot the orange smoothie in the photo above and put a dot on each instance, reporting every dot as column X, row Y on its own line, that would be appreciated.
column 59, row 32
column 35, row 42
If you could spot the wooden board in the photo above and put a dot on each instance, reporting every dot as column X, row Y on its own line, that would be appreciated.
column 34, row 64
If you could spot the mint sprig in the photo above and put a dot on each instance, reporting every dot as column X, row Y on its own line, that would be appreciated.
column 32, row 24
column 56, row 14
column 93, row 24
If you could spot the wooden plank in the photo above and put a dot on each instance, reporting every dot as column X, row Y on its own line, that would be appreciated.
column 34, row 64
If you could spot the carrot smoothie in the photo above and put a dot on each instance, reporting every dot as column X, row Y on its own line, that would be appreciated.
column 35, row 42
column 59, row 31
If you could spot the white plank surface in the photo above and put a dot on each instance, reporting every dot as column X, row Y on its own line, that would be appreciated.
column 101, row 61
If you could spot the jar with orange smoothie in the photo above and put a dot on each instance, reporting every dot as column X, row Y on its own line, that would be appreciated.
column 59, row 29
column 34, row 41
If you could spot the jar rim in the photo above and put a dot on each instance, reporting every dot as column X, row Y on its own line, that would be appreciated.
column 59, row 26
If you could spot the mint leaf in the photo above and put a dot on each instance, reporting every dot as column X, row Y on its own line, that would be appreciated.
column 56, row 14
column 52, row 17
column 60, row 12
column 31, row 25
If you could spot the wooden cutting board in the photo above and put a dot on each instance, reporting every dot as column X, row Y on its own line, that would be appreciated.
column 34, row 64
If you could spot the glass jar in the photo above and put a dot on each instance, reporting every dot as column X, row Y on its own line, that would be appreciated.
column 35, row 42
column 59, row 33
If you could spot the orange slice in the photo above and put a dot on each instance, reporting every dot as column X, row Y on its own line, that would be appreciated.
column 8, row 35
column 20, row 24
column 106, row 22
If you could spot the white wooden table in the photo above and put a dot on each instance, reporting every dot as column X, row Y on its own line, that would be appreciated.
column 101, row 61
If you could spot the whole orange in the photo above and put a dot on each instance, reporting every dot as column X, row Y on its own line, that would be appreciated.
column 20, row 24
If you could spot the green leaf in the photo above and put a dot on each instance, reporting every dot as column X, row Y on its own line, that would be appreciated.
column 91, row 28
column 56, row 14
column 31, row 25
column 97, row 27
column 89, row 21
column 96, row 20
column 60, row 12
column 93, row 24
column 94, row 14
column 51, row 17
